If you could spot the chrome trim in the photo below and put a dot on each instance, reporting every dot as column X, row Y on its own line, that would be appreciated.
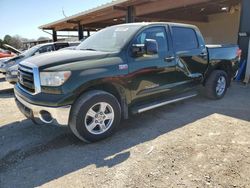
column 170, row 58
column 25, row 69
column 60, row 115
column 165, row 103
column 36, row 77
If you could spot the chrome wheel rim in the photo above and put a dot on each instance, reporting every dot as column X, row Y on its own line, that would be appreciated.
column 99, row 118
column 221, row 85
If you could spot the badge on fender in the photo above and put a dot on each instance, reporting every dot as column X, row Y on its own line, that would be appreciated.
column 123, row 67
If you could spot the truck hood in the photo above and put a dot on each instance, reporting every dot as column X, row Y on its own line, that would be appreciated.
column 63, row 57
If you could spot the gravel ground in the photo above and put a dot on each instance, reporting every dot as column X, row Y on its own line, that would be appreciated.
column 195, row 143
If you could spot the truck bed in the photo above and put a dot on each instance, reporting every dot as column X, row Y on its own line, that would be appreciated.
column 222, row 52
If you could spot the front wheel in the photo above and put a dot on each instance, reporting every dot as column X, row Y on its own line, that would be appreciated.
column 94, row 116
column 216, row 84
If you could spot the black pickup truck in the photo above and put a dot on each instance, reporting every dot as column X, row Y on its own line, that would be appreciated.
column 119, row 71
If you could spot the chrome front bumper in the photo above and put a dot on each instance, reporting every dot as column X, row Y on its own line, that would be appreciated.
column 59, row 115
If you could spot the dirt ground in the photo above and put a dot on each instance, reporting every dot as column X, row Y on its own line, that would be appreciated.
column 195, row 143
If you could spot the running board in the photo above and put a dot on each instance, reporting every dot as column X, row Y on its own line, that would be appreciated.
column 153, row 105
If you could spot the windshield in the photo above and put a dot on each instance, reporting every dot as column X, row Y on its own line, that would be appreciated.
column 30, row 51
column 111, row 39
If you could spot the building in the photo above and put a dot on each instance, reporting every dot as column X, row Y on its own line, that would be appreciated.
column 220, row 21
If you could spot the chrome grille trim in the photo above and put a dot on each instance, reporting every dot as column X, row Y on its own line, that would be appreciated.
column 36, row 78
column 25, row 69
column 37, row 82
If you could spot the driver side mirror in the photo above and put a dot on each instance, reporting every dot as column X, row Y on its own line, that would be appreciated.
column 151, row 47
column 138, row 50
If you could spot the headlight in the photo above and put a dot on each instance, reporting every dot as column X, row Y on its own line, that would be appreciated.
column 54, row 78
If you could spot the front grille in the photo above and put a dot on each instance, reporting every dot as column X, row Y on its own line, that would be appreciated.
column 26, row 78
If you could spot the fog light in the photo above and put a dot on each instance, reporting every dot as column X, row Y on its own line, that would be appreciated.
column 46, row 117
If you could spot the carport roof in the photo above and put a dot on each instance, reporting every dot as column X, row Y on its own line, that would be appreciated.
column 145, row 10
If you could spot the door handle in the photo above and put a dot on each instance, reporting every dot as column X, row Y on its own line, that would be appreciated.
column 170, row 58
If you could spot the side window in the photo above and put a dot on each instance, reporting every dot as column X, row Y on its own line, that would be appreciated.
column 184, row 39
column 45, row 49
column 156, row 33
column 61, row 45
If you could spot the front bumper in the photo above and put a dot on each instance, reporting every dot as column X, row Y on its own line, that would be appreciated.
column 44, row 114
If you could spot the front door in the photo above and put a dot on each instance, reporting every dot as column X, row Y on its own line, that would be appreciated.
column 151, row 76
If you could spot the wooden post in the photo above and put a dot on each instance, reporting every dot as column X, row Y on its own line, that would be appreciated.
column 130, row 17
column 80, row 31
column 244, row 28
column 54, row 35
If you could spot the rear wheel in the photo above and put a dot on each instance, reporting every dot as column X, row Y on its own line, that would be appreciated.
column 95, row 115
column 216, row 85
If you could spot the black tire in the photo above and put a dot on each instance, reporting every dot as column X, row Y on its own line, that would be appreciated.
column 83, row 105
column 212, row 82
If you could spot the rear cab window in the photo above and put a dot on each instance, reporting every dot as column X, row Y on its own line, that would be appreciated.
column 184, row 38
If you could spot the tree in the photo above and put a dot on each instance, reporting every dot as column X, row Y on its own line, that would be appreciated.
column 7, row 39
column 43, row 38
column 1, row 43
column 16, row 42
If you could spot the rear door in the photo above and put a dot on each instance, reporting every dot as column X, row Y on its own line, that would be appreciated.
column 191, row 54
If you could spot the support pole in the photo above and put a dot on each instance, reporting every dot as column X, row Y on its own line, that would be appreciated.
column 130, row 17
column 244, row 28
column 88, row 33
column 54, row 35
column 80, row 31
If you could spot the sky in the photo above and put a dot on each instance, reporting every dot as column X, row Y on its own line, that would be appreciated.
column 23, row 17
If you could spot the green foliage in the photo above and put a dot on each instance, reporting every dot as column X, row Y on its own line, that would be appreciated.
column 14, row 41
column 7, row 39
column 1, row 43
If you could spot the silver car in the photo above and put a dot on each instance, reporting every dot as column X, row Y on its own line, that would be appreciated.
column 11, row 74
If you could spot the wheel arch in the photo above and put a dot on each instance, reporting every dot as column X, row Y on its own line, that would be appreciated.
column 224, row 65
column 113, row 88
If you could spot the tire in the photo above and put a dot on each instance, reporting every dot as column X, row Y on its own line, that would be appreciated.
column 216, row 85
column 89, row 122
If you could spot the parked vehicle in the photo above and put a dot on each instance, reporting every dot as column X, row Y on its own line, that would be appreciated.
column 9, row 52
column 6, row 53
column 72, row 46
column 11, row 74
column 121, row 70
column 38, row 49
column 3, row 60
column 12, row 49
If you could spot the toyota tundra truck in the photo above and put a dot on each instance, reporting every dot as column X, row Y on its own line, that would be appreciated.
column 120, row 71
